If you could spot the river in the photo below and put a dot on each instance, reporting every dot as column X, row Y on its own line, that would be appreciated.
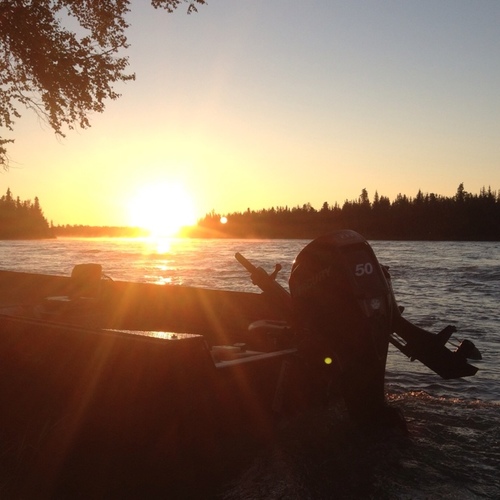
column 453, row 447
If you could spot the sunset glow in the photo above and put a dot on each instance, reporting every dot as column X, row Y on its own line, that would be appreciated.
column 162, row 209
column 254, row 105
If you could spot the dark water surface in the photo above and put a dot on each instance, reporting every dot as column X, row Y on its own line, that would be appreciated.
column 453, row 447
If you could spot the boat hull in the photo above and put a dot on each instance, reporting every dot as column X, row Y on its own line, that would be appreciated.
column 220, row 315
column 113, row 405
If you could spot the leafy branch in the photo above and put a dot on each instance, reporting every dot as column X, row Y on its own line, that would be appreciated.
column 63, row 74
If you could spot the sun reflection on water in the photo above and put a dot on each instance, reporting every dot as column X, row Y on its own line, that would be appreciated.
column 163, row 245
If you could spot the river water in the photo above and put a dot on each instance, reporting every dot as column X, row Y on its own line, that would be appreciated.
column 453, row 447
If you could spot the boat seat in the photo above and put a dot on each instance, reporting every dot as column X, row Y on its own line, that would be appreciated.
column 85, row 280
column 82, row 296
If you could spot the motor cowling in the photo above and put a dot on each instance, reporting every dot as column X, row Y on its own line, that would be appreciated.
column 343, row 304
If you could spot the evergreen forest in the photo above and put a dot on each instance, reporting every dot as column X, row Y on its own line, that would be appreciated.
column 22, row 219
column 464, row 216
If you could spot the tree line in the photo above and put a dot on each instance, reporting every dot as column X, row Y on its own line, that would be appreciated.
column 22, row 219
column 464, row 216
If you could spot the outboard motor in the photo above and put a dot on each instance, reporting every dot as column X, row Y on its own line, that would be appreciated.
column 343, row 314
column 343, row 304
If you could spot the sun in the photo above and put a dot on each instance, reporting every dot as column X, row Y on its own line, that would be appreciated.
column 162, row 209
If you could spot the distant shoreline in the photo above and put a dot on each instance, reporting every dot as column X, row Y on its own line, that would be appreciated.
column 202, row 233
column 426, row 217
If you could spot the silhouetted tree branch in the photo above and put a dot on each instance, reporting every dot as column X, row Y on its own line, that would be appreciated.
column 63, row 72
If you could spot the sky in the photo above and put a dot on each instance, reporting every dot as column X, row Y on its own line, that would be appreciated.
column 258, row 104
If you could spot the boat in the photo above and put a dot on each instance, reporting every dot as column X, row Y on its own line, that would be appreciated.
column 112, row 367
